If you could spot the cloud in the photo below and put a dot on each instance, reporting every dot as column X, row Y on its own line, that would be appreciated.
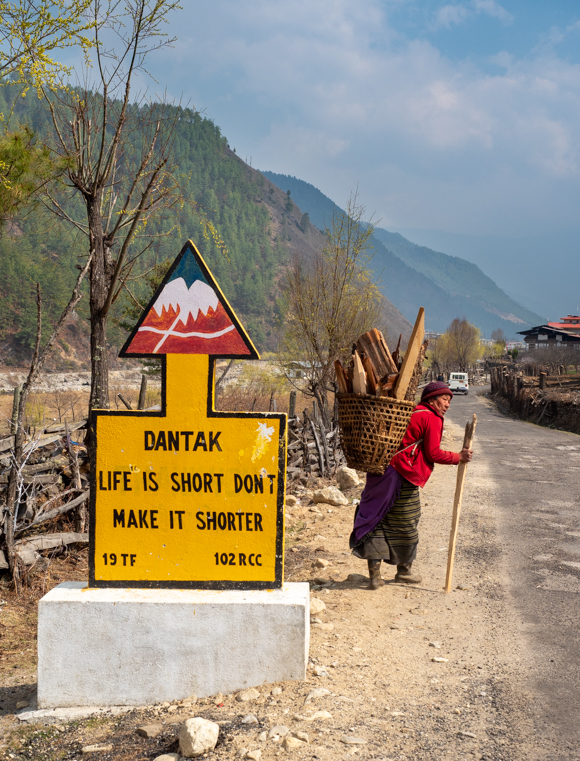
column 493, row 9
column 449, row 16
column 334, row 93
column 556, row 35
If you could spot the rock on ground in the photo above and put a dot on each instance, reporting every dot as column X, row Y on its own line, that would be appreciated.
column 319, row 692
column 168, row 757
column 98, row 748
column 330, row 495
column 316, row 607
column 347, row 478
column 316, row 716
column 279, row 729
column 292, row 743
column 197, row 736
column 357, row 577
column 150, row 730
column 326, row 627
column 350, row 740
column 250, row 694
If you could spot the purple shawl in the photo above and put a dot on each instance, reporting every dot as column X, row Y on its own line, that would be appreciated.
column 377, row 499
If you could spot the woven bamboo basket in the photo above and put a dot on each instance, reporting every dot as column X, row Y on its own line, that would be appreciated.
column 371, row 429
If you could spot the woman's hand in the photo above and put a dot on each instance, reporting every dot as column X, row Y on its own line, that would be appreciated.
column 465, row 455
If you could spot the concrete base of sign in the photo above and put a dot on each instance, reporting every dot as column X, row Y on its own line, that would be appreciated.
column 112, row 647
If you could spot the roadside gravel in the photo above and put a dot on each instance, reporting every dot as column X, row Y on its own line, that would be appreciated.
column 398, row 674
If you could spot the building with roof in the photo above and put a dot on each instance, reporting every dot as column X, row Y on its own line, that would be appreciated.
column 571, row 324
column 563, row 333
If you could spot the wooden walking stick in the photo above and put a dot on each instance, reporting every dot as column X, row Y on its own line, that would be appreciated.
column 461, row 469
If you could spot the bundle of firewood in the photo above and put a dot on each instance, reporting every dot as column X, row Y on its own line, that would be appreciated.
column 374, row 370
column 52, row 481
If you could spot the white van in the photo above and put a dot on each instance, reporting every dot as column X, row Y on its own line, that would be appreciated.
column 458, row 383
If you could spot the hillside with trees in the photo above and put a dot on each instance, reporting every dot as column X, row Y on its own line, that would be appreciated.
column 412, row 276
column 258, row 227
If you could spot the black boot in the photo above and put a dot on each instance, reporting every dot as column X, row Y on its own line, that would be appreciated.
column 375, row 574
column 406, row 576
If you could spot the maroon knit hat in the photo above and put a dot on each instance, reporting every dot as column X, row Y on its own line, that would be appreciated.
column 436, row 388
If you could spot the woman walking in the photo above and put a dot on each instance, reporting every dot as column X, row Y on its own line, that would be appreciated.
column 386, row 521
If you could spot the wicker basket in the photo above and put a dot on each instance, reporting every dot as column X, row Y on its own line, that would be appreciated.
column 371, row 429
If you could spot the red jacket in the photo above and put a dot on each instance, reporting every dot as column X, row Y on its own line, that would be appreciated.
column 416, row 463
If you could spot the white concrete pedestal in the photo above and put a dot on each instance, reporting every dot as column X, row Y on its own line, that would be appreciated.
column 141, row 646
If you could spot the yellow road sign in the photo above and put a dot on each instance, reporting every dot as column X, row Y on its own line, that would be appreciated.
column 188, row 497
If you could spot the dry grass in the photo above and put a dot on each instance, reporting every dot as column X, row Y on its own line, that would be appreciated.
column 46, row 408
column 49, row 407
column 255, row 390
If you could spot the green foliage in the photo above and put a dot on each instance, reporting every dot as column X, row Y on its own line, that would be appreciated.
column 33, row 31
column 25, row 166
column 40, row 254
column 218, row 190
column 497, row 350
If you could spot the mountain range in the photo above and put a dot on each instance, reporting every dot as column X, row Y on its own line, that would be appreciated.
column 261, row 227
column 543, row 270
column 411, row 275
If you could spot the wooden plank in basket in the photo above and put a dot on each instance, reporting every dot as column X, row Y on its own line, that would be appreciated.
column 375, row 347
column 359, row 384
column 372, row 380
column 410, row 359
column 341, row 377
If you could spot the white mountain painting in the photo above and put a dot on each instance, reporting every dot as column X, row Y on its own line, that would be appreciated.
column 199, row 298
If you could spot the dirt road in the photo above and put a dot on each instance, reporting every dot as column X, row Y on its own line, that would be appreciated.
column 406, row 672
column 537, row 494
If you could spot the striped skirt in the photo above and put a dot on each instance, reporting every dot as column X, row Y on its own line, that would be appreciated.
column 396, row 537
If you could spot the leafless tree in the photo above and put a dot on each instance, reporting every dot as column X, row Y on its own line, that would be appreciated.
column 498, row 336
column 118, row 152
column 329, row 301
column 550, row 358
column 459, row 346
column 17, row 455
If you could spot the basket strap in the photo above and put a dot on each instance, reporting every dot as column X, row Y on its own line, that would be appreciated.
column 413, row 444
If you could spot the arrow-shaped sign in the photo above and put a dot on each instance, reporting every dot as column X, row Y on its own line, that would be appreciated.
column 188, row 497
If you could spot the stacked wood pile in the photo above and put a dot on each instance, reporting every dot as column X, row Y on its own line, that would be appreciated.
column 375, row 371
column 52, row 480
column 313, row 450
column 508, row 382
column 552, row 400
column 376, row 399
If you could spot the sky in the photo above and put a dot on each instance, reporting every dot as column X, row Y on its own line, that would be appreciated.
column 454, row 116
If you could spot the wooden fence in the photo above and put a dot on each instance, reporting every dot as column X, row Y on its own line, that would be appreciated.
column 552, row 400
